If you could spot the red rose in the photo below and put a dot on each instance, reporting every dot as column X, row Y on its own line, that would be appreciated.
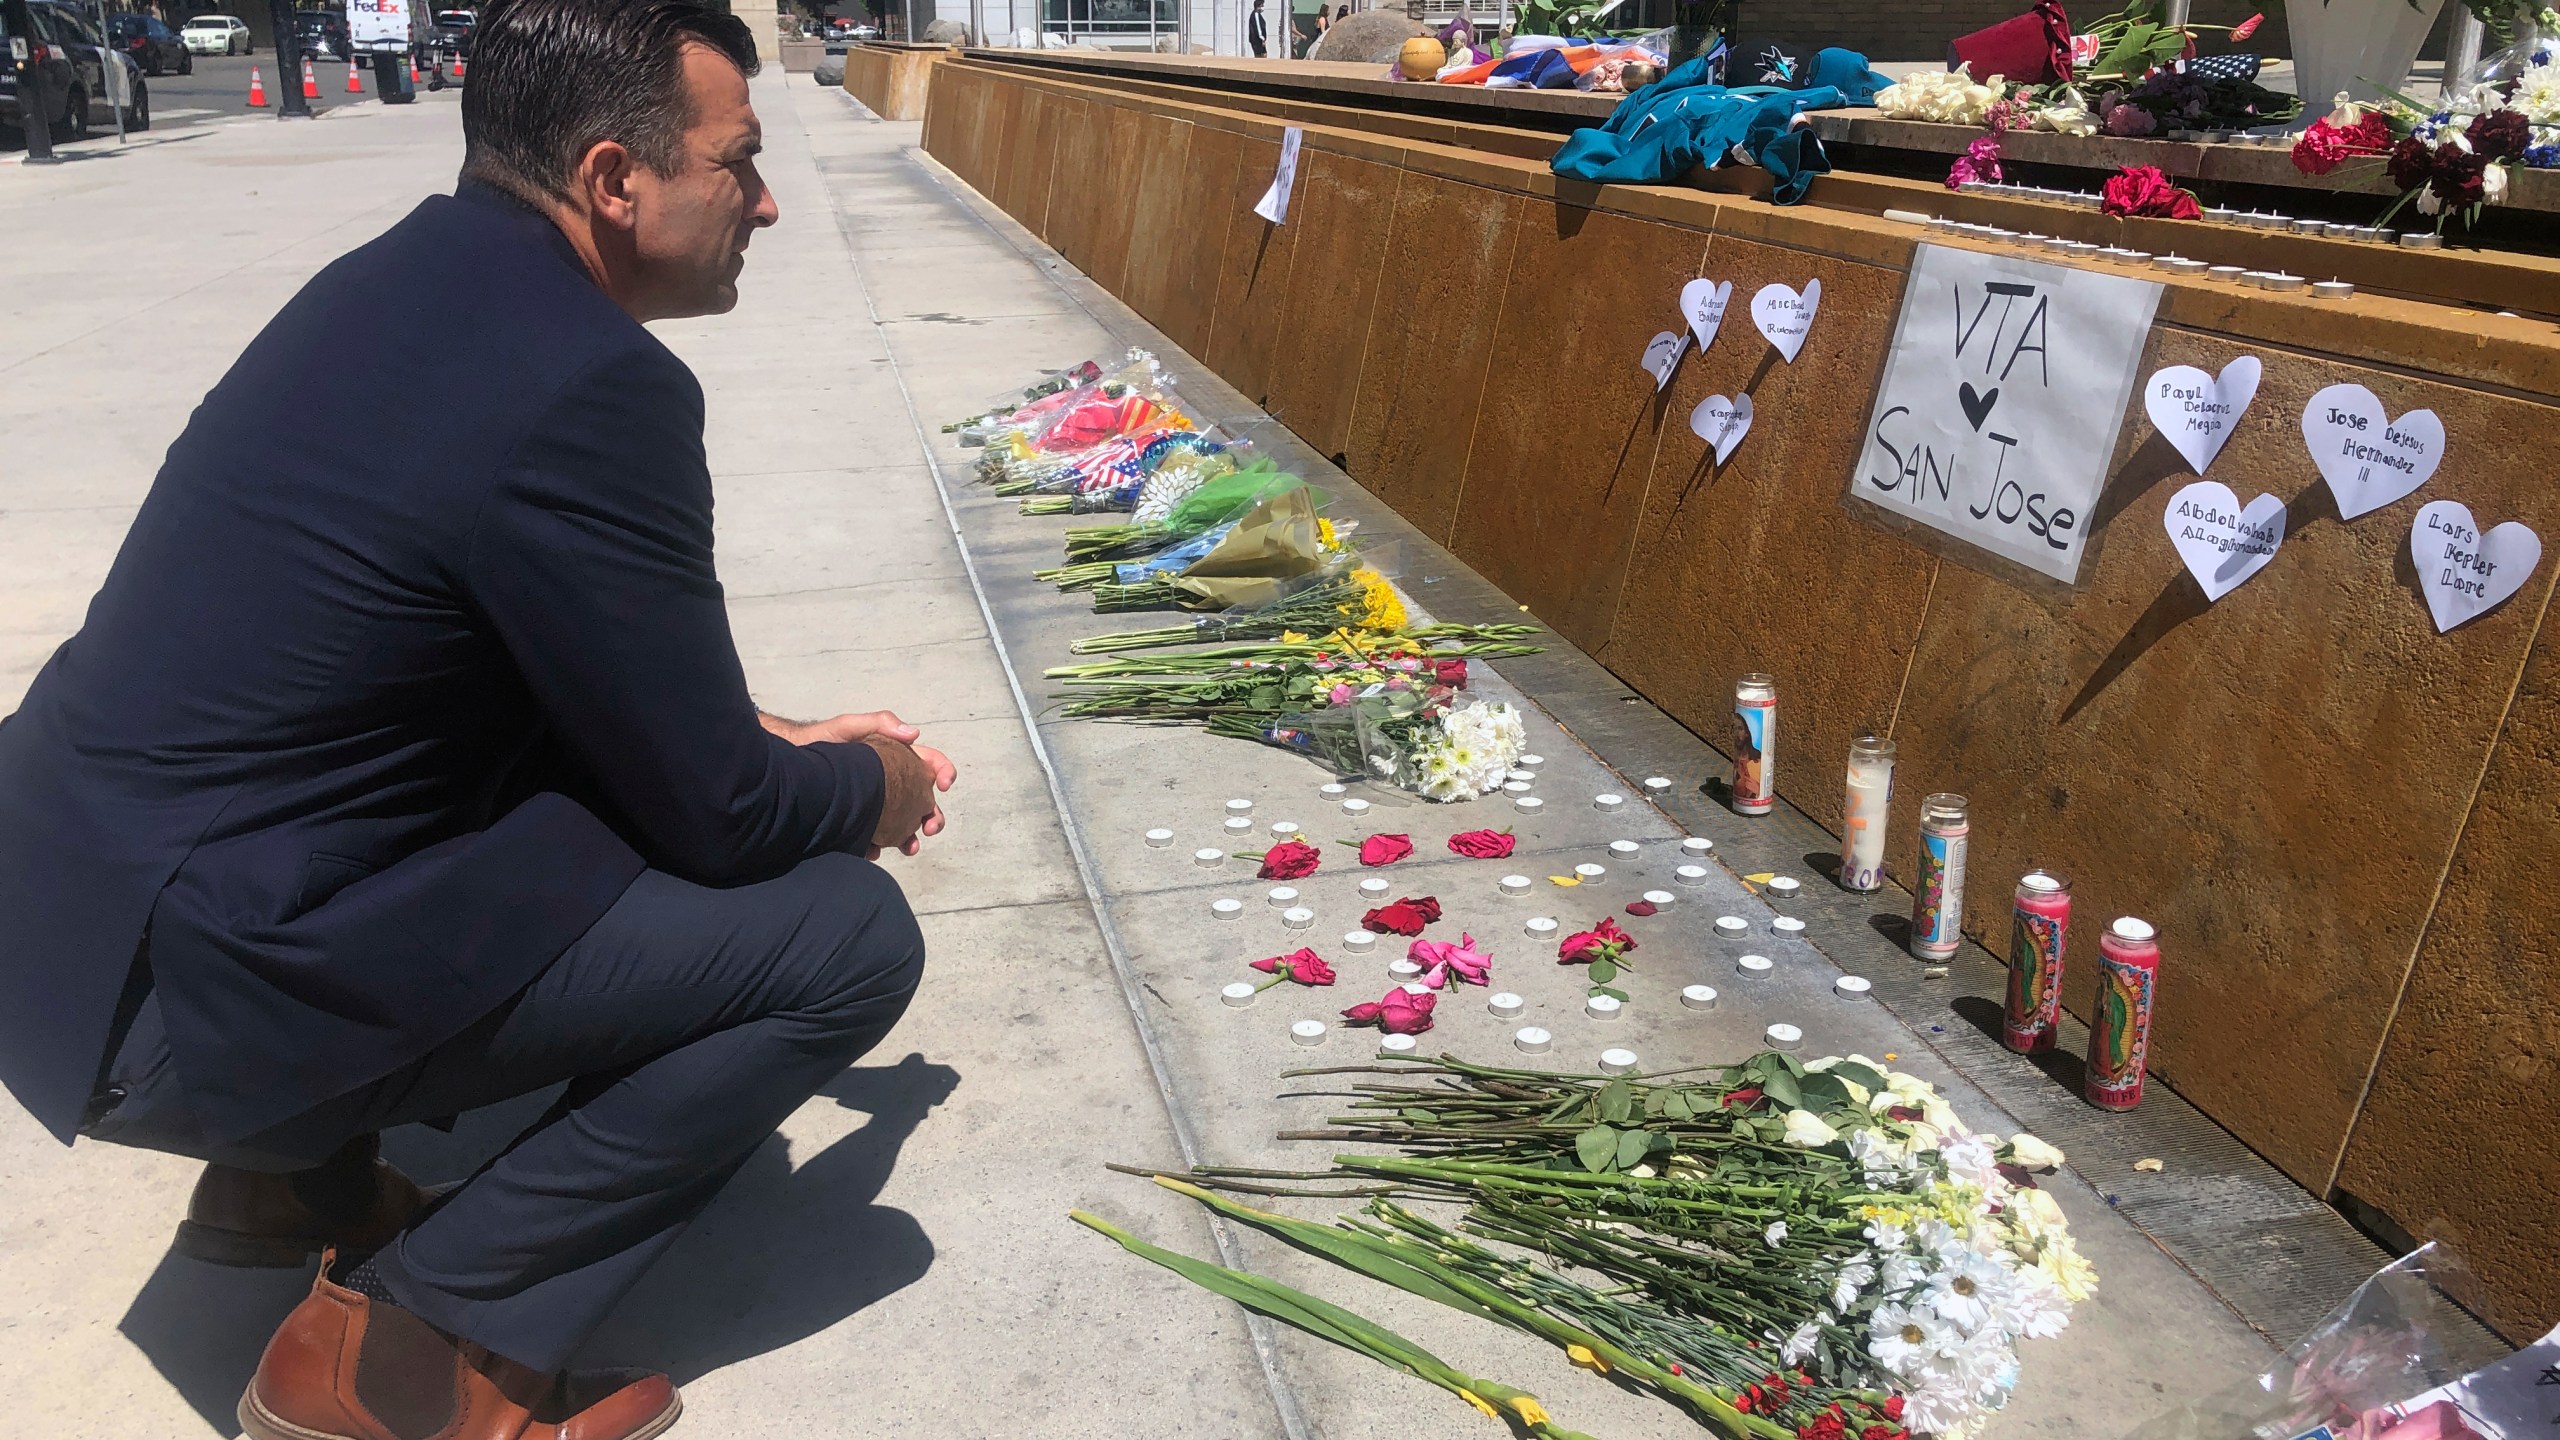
column 2143, row 190
column 1604, row 941
column 1893, row 1407
column 1483, row 844
column 2370, row 135
column 1303, row 966
column 2411, row 163
column 1452, row 673
column 2500, row 134
column 1290, row 860
column 1640, row 907
column 1398, row 1012
column 1405, row 917
column 1380, row 850
column 1743, row 1098
column 2246, row 28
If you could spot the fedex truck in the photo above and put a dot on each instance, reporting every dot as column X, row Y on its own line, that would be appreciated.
column 386, row 30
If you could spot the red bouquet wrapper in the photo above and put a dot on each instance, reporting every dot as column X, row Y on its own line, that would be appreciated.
column 2029, row 49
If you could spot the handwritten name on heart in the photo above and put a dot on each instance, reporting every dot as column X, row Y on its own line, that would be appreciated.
column 1784, row 315
column 1703, row 301
column 2369, row 461
column 2464, row 573
column 1662, row 355
column 2222, row 541
column 1722, row 423
column 2196, row 412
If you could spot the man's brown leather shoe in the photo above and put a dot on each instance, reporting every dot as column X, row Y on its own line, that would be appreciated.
column 355, row 1200
column 342, row 1367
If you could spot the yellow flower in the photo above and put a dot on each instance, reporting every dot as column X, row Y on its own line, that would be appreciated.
column 1292, row 637
column 1324, row 534
column 1478, row 1401
column 1529, row 1410
column 1581, row 1355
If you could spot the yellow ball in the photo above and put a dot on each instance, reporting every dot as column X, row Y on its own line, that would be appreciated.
column 1421, row 58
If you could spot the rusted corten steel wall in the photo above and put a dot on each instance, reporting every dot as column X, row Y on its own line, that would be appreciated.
column 890, row 79
column 2342, row 822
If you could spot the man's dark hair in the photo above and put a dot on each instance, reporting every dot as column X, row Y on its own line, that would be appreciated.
column 551, row 77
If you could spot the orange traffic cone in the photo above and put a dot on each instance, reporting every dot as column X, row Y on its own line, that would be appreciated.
column 457, row 67
column 354, row 85
column 413, row 68
column 257, row 90
column 310, row 82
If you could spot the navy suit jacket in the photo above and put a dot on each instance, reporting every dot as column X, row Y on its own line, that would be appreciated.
column 374, row 588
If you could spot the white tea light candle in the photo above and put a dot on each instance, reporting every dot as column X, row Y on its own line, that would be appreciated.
column 1514, row 886
column 1541, row 927
column 1623, row 849
column 1307, row 1032
column 1374, row 889
column 1533, row 1040
column 1690, row 875
column 1238, row 995
column 1208, row 859
column 1660, row 898
column 1602, row 1007
column 1617, row 1062
column 1396, row 1045
column 1505, row 1004
column 1227, row 909
column 1698, row 997
column 1360, row 942
column 1754, row 967
column 1158, row 839
column 1608, row 804
column 1783, row 1037
column 1282, row 896
column 1852, row 987
column 1300, row 918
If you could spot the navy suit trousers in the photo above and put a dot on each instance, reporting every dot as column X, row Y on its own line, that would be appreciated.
column 688, row 1023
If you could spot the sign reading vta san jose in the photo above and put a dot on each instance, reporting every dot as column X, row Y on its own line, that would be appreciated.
column 2003, row 391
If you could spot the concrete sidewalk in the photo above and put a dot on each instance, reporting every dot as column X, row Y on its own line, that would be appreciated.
column 898, row 1262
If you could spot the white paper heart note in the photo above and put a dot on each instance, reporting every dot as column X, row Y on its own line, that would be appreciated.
column 1722, row 423
column 2223, row 541
column 1784, row 315
column 2197, row 412
column 1703, row 302
column 2368, row 459
column 1662, row 355
column 2465, row 573
column 1274, row 204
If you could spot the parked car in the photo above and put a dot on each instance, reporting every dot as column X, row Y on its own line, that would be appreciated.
column 153, row 46
column 322, row 34
column 75, row 61
column 216, row 35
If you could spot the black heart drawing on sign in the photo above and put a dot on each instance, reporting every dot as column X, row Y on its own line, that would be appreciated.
column 1977, row 408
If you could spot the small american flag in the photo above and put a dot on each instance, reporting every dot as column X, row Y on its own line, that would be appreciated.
column 2239, row 65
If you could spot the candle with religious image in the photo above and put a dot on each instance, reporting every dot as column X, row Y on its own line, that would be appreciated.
column 1864, row 811
column 1937, row 897
column 1755, row 753
column 2120, row 1026
column 2041, row 918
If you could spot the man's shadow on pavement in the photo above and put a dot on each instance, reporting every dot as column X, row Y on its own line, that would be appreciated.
column 780, row 1256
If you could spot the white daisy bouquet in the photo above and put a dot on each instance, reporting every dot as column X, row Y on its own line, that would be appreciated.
column 1787, row 1250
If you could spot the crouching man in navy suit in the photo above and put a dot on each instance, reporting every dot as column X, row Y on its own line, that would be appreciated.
column 383, row 782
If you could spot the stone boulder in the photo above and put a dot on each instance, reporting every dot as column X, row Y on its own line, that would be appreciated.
column 947, row 32
column 829, row 72
column 1369, row 37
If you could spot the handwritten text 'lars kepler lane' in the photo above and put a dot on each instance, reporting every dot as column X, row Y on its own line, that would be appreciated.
column 2462, row 553
column 2227, row 531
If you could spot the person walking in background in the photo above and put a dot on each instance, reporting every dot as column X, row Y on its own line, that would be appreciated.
column 1323, row 22
column 1257, row 32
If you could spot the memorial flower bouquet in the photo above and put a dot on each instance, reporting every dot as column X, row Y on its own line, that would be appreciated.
column 1158, row 473
column 1782, row 1249
column 1015, row 432
column 1093, row 551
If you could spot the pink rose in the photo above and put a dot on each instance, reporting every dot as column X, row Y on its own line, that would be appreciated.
column 1441, row 961
column 1398, row 1012
column 1303, row 966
